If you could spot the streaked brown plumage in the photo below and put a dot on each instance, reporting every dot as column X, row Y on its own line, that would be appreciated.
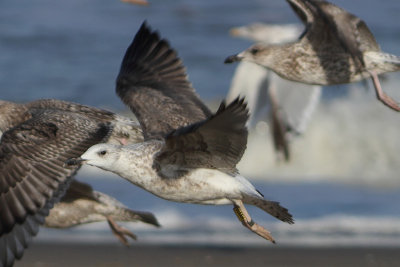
column 335, row 48
column 152, row 81
column 38, row 137
column 81, row 204
column 287, row 105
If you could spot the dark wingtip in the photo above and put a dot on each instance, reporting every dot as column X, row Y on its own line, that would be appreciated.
column 290, row 221
column 241, row 104
column 237, row 102
column 153, row 220
column 157, row 224
column 288, row 218
column 144, row 27
column 145, row 33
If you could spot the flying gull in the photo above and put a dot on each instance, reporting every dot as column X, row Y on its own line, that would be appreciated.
column 286, row 106
column 136, row 2
column 189, row 154
column 37, row 138
column 335, row 48
column 81, row 204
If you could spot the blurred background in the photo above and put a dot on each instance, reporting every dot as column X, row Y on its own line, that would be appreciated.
column 342, row 184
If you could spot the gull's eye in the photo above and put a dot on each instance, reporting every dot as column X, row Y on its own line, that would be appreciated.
column 254, row 50
column 102, row 153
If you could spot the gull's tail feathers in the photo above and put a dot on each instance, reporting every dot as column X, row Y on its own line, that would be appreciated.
column 121, row 213
column 385, row 62
column 272, row 207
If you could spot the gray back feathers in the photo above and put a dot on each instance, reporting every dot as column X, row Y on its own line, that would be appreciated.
column 216, row 143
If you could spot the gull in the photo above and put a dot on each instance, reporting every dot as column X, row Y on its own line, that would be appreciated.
column 287, row 105
column 189, row 154
column 335, row 48
column 81, row 205
column 136, row 2
column 37, row 138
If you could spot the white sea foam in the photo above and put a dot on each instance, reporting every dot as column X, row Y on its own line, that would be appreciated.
column 353, row 139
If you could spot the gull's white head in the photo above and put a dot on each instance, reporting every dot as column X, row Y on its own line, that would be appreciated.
column 102, row 155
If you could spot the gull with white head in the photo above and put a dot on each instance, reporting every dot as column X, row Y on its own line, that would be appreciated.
column 189, row 154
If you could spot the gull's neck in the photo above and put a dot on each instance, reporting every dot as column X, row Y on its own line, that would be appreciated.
column 136, row 163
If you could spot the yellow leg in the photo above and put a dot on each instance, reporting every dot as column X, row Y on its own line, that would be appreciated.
column 241, row 216
column 247, row 222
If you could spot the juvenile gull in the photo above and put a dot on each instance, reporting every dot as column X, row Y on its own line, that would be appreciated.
column 189, row 154
column 81, row 204
column 335, row 48
column 37, row 138
column 285, row 105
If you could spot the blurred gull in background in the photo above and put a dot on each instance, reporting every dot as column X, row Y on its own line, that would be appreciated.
column 335, row 48
column 81, row 204
column 286, row 106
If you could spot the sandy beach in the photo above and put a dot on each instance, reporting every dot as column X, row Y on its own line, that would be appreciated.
column 44, row 254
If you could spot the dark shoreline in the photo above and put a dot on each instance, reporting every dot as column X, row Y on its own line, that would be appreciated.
column 75, row 254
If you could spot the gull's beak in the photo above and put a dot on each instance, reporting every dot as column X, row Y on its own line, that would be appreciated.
column 74, row 161
column 235, row 31
column 233, row 58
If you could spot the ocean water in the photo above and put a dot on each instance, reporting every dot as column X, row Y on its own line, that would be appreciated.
column 342, row 185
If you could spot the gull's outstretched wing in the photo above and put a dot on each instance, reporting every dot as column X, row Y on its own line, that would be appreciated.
column 32, row 172
column 334, row 26
column 217, row 143
column 152, row 81
column 352, row 32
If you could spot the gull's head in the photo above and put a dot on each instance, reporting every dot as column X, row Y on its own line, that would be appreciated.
column 101, row 155
column 259, row 53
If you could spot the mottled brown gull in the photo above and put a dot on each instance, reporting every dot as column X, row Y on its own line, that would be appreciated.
column 189, row 154
column 81, row 205
column 335, row 48
column 285, row 105
column 38, row 137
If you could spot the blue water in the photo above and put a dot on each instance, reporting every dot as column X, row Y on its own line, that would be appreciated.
column 72, row 50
